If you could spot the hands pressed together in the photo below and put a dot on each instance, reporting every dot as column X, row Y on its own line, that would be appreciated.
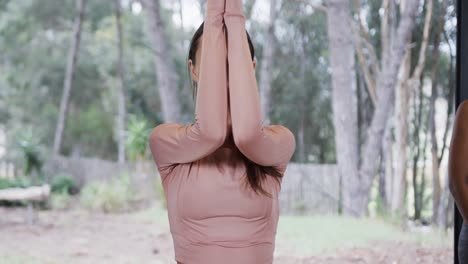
column 224, row 8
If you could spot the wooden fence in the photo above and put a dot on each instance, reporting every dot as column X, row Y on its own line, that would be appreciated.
column 306, row 188
column 7, row 170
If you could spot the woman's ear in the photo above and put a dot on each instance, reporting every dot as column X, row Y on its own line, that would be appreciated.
column 193, row 71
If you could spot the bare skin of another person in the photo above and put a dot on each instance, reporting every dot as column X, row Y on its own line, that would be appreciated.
column 458, row 160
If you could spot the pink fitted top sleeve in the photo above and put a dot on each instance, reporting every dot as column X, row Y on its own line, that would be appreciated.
column 271, row 145
column 174, row 143
column 213, row 218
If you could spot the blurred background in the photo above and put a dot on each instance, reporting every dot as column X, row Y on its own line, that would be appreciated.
column 366, row 86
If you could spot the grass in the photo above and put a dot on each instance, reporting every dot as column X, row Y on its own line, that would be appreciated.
column 156, row 214
column 309, row 235
column 297, row 236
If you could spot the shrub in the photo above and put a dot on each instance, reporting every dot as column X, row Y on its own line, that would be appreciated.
column 64, row 183
column 300, row 206
column 137, row 141
column 60, row 200
column 6, row 183
column 18, row 182
column 160, row 190
column 113, row 196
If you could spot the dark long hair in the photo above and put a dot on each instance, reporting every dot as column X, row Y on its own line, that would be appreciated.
column 256, row 173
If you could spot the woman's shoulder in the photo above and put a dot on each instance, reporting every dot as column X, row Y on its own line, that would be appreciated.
column 463, row 106
column 462, row 114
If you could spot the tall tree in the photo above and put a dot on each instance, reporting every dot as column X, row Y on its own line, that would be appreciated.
column 418, row 151
column 358, row 178
column 436, row 186
column 446, row 201
column 344, row 100
column 408, row 85
column 391, row 62
column 121, row 104
column 401, row 136
column 69, row 76
column 164, row 64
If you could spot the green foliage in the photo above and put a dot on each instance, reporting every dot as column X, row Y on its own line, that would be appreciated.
column 64, row 184
column 382, row 211
column 300, row 206
column 18, row 182
column 160, row 190
column 92, row 130
column 29, row 146
column 60, row 200
column 301, row 81
column 137, row 140
column 108, row 197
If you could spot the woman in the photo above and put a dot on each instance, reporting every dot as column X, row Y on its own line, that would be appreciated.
column 458, row 174
column 222, row 174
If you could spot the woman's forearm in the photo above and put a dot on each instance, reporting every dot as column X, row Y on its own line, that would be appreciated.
column 172, row 143
column 243, row 91
column 271, row 145
column 211, row 102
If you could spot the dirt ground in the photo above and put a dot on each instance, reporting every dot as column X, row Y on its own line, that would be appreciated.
column 80, row 237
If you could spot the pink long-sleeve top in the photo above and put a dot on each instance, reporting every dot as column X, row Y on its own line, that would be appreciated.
column 213, row 218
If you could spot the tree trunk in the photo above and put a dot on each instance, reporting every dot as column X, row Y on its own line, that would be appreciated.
column 386, row 180
column 163, row 62
column 121, row 104
column 202, row 4
column 446, row 200
column 69, row 76
column 300, row 139
column 181, row 15
column 416, row 141
column 358, row 181
column 386, row 97
column 267, row 63
column 436, row 186
column 249, row 8
column 409, row 84
column 401, row 137
column 344, row 102
column 301, row 105
column 422, row 188
column 32, row 193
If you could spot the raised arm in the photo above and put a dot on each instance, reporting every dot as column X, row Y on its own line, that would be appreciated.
column 172, row 143
column 458, row 165
column 271, row 145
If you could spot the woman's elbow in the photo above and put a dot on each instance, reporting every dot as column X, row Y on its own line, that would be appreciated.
column 214, row 137
column 243, row 141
